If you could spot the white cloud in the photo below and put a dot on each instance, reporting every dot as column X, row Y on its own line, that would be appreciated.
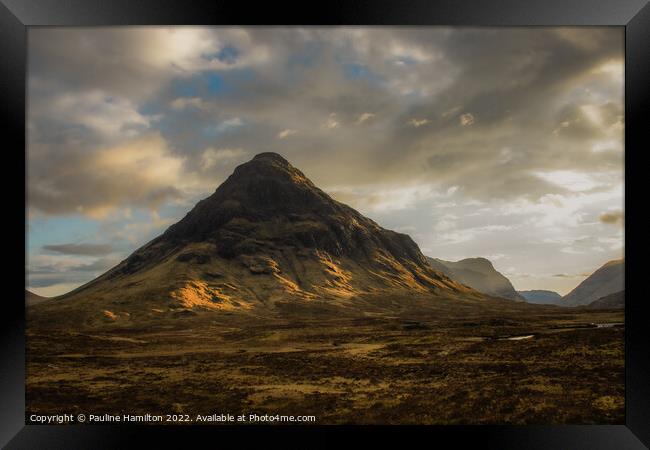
column 230, row 123
column 112, row 117
column 568, row 179
column 451, row 112
column 418, row 122
column 186, row 102
column 137, row 172
column 286, row 133
column 466, row 119
column 364, row 117
column 446, row 223
column 332, row 122
column 377, row 198
column 212, row 157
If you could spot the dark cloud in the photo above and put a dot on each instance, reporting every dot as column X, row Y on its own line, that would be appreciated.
column 79, row 249
column 613, row 217
column 518, row 86
column 43, row 275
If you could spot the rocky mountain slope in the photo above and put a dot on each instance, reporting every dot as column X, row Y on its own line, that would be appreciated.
column 611, row 301
column 478, row 273
column 608, row 279
column 267, row 235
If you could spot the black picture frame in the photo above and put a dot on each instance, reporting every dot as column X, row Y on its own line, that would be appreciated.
column 16, row 16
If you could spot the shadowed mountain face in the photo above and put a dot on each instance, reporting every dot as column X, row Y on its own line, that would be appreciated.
column 266, row 235
column 611, row 301
column 608, row 279
column 477, row 273
column 540, row 296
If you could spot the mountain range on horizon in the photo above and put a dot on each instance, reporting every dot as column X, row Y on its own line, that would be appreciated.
column 541, row 296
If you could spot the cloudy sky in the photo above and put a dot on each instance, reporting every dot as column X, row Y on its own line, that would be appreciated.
column 502, row 143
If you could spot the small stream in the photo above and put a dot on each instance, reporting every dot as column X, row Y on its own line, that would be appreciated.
column 608, row 325
column 517, row 338
column 591, row 326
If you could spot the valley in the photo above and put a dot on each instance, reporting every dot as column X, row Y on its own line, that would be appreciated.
column 413, row 360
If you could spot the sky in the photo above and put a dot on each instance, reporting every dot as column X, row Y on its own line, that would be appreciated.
column 505, row 143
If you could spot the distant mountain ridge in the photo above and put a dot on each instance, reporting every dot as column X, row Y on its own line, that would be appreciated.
column 34, row 299
column 478, row 273
column 608, row 279
column 541, row 296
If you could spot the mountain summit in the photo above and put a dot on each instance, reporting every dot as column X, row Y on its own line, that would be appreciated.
column 266, row 235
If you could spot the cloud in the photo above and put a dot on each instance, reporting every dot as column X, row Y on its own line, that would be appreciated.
column 212, row 157
column 229, row 124
column 466, row 119
column 457, row 236
column 364, row 117
column 286, row 133
column 97, row 111
column 141, row 172
column 332, row 122
column 381, row 198
column 570, row 180
column 99, row 265
column 49, row 272
column 186, row 102
column 567, row 275
column 135, row 62
column 79, row 249
column 418, row 122
column 612, row 217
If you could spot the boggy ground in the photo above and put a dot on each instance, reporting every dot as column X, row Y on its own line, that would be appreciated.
column 430, row 362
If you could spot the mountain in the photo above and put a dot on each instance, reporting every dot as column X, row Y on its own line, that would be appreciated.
column 477, row 273
column 608, row 279
column 265, row 237
column 540, row 296
column 611, row 301
column 34, row 299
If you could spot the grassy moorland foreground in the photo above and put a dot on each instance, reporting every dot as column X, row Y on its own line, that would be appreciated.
column 413, row 361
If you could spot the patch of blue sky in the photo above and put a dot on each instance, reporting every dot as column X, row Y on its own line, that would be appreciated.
column 227, row 54
column 150, row 108
column 217, row 129
column 308, row 56
column 213, row 82
column 184, row 87
column 199, row 85
column 356, row 71
column 232, row 78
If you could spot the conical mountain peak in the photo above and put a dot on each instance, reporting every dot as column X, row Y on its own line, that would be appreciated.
column 271, row 156
column 269, row 234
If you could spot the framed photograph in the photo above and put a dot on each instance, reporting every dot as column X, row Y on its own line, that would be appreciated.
column 397, row 220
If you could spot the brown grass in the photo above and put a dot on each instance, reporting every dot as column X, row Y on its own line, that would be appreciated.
column 447, row 363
